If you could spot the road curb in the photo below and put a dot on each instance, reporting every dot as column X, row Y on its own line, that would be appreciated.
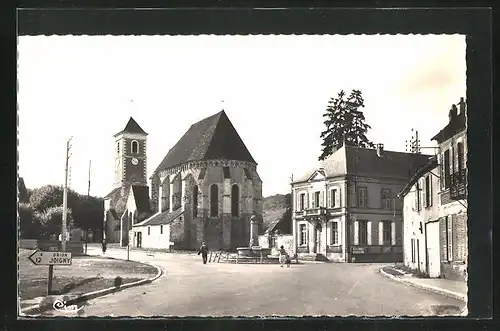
column 436, row 290
column 37, row 309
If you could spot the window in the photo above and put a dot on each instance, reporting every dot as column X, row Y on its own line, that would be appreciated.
column 363, row 232
column 303, row 234
column 161, row 229
column 386, row 232
column 195, row 201
column 428, row 191
column 316, row 199
column 333, row 198
column 449, row 239
column 362, row 197
column 412, row 250
column 386, row 195
column 417, row 191
column 135, row 147
column 118, row 148
column 149, row 230
column 226, row 172
column 235, row 200
column 334, row 239
column 460, row 156
column 214, row 200
column 302, row 201
column 446, row 169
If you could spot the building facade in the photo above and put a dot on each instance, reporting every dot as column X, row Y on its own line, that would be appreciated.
column 452, row 141
column 421, row 208
column 345, row 210
column 205, row 189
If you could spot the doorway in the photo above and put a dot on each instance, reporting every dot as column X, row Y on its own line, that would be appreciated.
column 318, row 241
column 139, row 239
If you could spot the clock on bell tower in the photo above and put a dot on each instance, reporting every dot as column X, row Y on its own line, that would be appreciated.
column 130, row 155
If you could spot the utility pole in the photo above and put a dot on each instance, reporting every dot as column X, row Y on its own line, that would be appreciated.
column 65, row 198
column 88, row 190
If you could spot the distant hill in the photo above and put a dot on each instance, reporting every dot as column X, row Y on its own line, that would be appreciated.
column 276, row 212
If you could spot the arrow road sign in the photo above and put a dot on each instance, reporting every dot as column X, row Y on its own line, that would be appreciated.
column 50, row 258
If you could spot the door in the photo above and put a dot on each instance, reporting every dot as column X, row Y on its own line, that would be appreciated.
column 139, row 239
column 318, row 241
column 433, row 249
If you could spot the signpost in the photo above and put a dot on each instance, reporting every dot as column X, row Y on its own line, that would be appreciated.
column 50, row 259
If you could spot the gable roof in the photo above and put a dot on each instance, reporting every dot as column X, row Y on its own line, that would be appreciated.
column 211, row 138
column 161, row 218
column 455, row 126
column 141, row 196
column 113, row 192
column 432, row 164
column 332, row 166
column 132, row 127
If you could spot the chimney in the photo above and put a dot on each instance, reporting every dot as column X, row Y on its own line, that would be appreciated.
column 461, row 106
column 453, row 113
column 380, row 149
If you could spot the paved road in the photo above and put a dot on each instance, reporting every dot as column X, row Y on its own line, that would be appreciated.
column 189, row 288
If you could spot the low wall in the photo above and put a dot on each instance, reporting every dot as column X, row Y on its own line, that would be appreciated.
column 74, row 247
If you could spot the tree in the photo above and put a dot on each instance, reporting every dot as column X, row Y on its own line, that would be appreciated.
column 51, row 222
column 49, row 196
column 88, row 213
column 345, row 124
column 29, row 221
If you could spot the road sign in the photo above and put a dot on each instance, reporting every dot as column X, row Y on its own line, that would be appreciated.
column 50, row 258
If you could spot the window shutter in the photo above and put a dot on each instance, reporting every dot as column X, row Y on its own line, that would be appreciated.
column 424, row 193
column 430, row 190
column 306, row 200
column 441, row 170
column 329, row 198
column 337, row 199
column 313, row 199
column 382, row 196
column 415, row 200
column 322, row 199
column 451, row 158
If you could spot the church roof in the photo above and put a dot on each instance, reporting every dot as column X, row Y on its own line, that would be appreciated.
column 211, row 138
column 112, row 193
column 141, row 197
column 132, row 127
column 161, row 218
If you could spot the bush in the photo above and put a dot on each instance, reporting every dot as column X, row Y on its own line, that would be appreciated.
column 51, row 222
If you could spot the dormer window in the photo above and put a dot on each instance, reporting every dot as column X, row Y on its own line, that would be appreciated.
column 134, row 147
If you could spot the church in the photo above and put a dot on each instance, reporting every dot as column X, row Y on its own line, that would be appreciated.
column 205, row 189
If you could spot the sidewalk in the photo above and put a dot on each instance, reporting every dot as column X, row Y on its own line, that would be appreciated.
column 450, row 288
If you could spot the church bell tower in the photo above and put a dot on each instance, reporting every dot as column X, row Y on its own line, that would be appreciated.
column 130, row 156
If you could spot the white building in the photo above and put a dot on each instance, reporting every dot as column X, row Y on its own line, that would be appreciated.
column 345, row 209
column 421, row 208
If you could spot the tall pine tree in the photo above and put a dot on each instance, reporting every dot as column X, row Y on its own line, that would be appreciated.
column 345, row 124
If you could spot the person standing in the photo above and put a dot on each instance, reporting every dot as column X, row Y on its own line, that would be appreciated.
column 283, row 256
column 204, row 252
column 104, row 246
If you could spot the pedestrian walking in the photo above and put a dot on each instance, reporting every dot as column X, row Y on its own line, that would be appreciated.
column 104, row 246
column 283, row 257
column 204, row 252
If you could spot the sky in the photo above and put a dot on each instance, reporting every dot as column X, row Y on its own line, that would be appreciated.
column 274, row 90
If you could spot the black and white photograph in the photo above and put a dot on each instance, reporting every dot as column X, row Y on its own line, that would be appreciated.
column 242, row 175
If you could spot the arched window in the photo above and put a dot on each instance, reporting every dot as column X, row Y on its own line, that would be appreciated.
column 214, row 200
column 135, row 147
column 235, row 200
column 195, row 201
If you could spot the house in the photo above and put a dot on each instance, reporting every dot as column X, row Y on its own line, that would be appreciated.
column 421, row 208
column 452, row 159
column 205, row 189
column 128, row 202
column 345, row 209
